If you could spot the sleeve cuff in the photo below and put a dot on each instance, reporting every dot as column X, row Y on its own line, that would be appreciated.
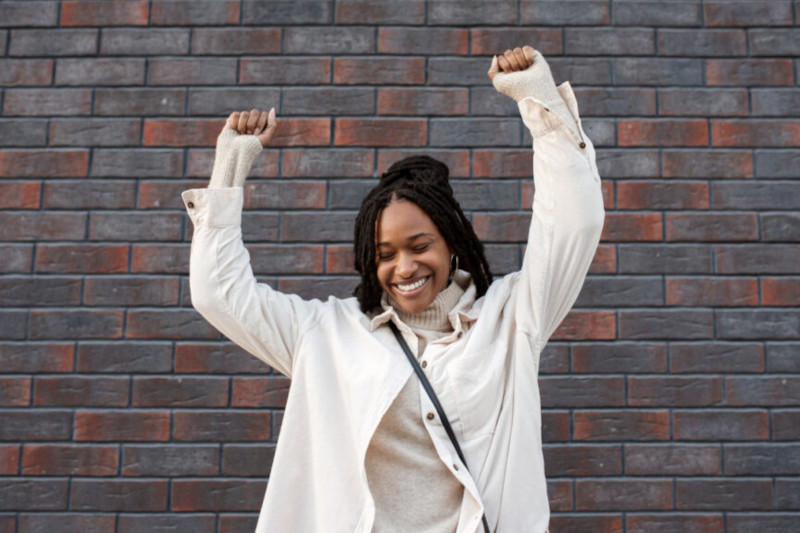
column 214, row 208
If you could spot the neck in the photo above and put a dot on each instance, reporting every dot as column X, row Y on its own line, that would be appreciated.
column 435, row 317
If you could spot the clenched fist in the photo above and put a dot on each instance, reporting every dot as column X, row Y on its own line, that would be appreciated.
column 254, row 122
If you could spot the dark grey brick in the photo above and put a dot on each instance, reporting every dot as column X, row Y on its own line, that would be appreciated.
column 191, row 71
column 666, row 324
column 679, row 459
column 139, row 102
column 776, row 102
column 768, row 195
column 773, row 522
column 279, row 12
column 609, row 41
column 581, row 71
column 47, row 102
column 329, row 101
column 75, row 324
column 787, row 494
column 285, row 71
column 260, row 227
column 616, row 102
column 29, row 13
column 716, row 357
column 13, row 324
column 194, row 12
column 44, row 523
column 559, row 13
column 53, row 42
column 29, row 425
column 99, row 71
column 780, row 227
column 39, row 291
column 330, row 40
column 748, row 13
column 178, row 460
column 774, row 42
column 318, row 227
column 486, row 195
column 472, row 12
column 118, row 495
column 95, row 132
column 222, row 102
column 718, row 494
column 474, row 132
column 783, row 357
column 720, row 102
column 777, row 163
column 657, row 13
column 629, row 163
column 658, row 71
column 758, row 324
column 458, row 71
column 163, row 523
column 320, row 288
column 33, row 495
column 602, row 132
column 488, row 101
column 139, row 42
column 664, row 259
column 168, row 324
column 89, row 194
column 757, row 259
column 348, row 194
column 762, row 459
column 602, row 291
column 580, row 391
column 22, row 132
column 149, row 226
column 137, row 163
column 619, row 357
column 124, row 357
column 702, row 43
column 247, row 460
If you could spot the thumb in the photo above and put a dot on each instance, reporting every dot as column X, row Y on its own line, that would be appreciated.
column 493, row 69
column 269, row 131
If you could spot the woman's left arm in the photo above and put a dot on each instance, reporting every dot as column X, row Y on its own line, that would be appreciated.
column 568, row 204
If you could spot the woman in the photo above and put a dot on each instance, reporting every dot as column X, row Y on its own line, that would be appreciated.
column 361, row 448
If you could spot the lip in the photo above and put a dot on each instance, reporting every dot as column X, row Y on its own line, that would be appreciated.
column 413, row 292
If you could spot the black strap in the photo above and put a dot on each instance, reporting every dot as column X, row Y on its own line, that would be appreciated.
column 435, row 400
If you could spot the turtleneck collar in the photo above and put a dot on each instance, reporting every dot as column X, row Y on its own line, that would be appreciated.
column 435, row 317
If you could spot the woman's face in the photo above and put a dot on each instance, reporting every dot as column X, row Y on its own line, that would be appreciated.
column 413, row 259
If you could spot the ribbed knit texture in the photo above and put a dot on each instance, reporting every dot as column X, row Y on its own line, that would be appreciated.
column 234, row 157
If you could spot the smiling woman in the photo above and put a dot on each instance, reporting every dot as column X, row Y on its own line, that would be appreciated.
column 364, row 446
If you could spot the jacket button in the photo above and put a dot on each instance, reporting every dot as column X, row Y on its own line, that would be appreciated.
column 583, row 145
column 430, row 416
column 424, row 364
column 190, row 205
column 455, row 466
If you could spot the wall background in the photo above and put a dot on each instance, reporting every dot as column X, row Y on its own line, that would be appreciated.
column 671, row 392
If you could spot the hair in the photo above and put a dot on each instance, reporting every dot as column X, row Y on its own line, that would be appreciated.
column 423, row 180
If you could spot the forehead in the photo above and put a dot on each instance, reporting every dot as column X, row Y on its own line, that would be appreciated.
column 402, row 220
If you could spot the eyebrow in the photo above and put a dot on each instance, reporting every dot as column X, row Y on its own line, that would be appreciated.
column 410, row 239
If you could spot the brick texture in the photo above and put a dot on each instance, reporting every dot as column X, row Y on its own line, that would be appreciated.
column 670, row 392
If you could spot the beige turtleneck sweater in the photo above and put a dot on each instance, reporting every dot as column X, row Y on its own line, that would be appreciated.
column 412, row 488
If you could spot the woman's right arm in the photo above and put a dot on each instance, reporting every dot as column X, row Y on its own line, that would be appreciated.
column 224, row 290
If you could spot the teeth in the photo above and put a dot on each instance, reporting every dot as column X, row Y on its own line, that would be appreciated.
column 412, row 286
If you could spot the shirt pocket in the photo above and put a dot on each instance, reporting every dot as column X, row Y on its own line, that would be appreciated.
column 478, row 387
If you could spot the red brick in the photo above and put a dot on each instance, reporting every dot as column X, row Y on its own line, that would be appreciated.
column 20, row 194
column 270, row 392
column 302, row 132
column 339, row 259
column 194, row 12
column 424, row 40
column 686, row 523
column 712, row 227
column 663, row 132
column 617, row 425
column 216, row 359
column 379, row 71
column 44, row 163
column 749, row 72
column 180, row 132
column 583, row 522
column 583, row 460
column 605, row 260
column 227, row 426
column 80, row 391
column 502, row 163
column 232, row 523
column 755, row 133
column 160, row 259
column 47, row 102
column 116, row 426
column 31, row 358
column 721, row 425
column 236, row 41
column 217, row 495
column 85, row 258
column 780, row 291
column 712, row 292
column 15, row 391
column 431, row 102
column 381, row 132
column 623, row 495
column 9, row 462
column 456, row 160
column 25, row 72
column 708, row 164
column 585, row 325
column 627, row 227
column 109, row 13
column 69, row 460
column 662, row 195
column 559, row 495
column 555, row 426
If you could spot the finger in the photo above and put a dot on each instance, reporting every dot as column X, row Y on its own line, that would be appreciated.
column 272, row 124
column 529, row 55
column 244, row 116
column 233, row 120
column 512, row 60
column 262, row 121
column 252, row 120
column 519, row 55
column 493, row 69
column 504, row 66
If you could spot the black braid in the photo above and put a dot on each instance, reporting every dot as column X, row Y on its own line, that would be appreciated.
column 424, row 181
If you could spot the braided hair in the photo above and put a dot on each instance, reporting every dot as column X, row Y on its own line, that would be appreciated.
column 423, row 180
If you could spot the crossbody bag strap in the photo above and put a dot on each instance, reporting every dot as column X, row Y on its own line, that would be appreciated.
column 435, row 400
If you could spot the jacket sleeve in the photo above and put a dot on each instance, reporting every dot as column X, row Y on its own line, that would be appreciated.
column 567, row 218
column 263, row 321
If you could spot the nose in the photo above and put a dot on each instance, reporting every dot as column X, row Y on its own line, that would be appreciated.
column 406, row 265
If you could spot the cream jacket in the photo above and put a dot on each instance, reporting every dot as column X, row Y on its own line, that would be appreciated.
column 346, row 367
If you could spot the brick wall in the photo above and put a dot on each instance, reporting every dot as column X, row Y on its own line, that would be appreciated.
column 671, row 393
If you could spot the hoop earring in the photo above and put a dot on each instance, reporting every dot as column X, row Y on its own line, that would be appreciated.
column 453, row 265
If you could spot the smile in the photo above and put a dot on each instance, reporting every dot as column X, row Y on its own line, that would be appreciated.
column 412, row 286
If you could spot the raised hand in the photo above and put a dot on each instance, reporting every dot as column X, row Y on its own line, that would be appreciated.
column 262, row 124
column 510, row 61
